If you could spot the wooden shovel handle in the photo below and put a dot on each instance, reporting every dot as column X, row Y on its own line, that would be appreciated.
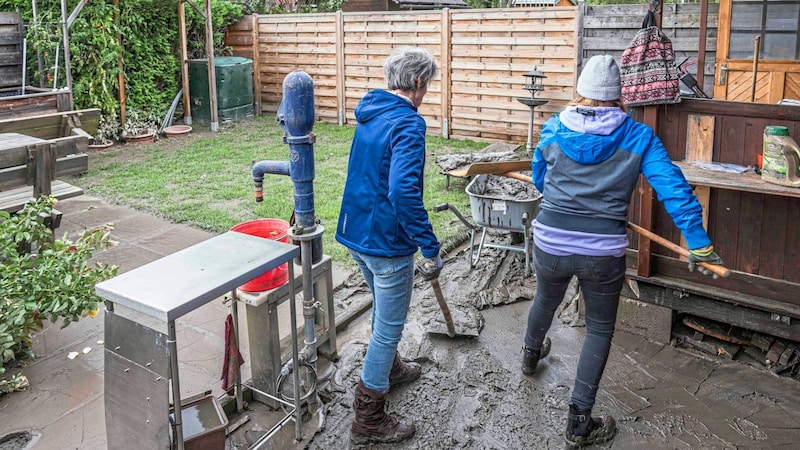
column 722, row 271
column 518, row 176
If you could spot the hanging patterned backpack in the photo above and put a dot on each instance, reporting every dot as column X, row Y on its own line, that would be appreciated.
column 647, row 69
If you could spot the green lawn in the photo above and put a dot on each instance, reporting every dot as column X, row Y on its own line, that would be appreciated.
column 204, row 179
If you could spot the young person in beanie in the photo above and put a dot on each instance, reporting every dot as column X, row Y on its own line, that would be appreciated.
column 383, row 222
column 586, row 165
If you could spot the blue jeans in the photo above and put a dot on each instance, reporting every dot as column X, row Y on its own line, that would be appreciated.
column 600, row 279
column 391, row 281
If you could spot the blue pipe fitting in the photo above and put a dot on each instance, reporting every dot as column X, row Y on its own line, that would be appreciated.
column 264, row 167
column 296, row 116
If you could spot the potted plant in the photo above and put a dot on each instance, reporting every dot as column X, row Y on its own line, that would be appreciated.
column 43, row 279
column 107, row 131
column 140, row 126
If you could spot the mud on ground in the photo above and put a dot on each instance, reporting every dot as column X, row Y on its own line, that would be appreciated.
column 472, row 394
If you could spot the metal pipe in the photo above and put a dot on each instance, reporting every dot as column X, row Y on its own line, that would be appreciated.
column 264, row 167
column 176, row 387
column 24, row 62
column 55, row 74
column 296, row 117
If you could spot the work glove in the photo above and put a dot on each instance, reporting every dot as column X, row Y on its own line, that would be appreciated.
column 430, row 267
column 706, row 255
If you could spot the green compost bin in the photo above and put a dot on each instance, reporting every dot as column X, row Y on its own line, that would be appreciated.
column 234, row 76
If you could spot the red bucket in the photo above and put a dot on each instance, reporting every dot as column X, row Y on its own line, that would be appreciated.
column 274, row 229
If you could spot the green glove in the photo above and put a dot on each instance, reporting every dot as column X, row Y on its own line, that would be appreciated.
column 706, row 255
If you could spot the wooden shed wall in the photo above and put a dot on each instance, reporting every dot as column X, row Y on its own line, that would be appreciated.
column 10, row 50
column 365, row 5
column 483, row 54
column 608, row 29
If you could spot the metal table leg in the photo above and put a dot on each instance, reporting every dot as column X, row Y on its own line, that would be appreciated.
column 298, row 417
column 176, row 389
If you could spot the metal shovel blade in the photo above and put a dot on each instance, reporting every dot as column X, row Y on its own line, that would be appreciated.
column 434, row 326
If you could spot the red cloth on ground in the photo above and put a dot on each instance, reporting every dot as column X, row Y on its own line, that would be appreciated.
column 233, row 358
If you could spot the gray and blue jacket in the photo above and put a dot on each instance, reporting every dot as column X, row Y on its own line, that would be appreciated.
column 382, row 212
column 586, row 165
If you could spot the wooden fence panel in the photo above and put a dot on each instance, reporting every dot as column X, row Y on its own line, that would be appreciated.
column 370, row 37
column 299, row 41
column 483, row 53
column 491, row 50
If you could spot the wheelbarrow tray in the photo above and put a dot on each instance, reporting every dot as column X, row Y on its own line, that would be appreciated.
column 493, row 211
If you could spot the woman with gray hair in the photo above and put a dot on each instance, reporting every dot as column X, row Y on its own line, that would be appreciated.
column 383, row 222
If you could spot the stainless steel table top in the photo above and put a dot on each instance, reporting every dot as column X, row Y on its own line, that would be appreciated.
column 181, row 282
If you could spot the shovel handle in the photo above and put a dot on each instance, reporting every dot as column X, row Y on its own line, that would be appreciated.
column 518, row 176
column 722, row 271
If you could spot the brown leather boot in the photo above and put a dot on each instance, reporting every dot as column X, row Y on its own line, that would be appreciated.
column 403, row 372
column 372, row 424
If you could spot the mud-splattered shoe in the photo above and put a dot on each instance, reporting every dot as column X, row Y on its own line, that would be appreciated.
column 403, row 371
column 372, row 424
column 583, row 429
column 530, row 358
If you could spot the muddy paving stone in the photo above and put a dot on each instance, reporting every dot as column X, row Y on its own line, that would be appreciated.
column 472, row 394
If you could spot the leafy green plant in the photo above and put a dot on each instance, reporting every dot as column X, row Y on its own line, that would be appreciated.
column 44, row 278
column 223, row 14
column 108, row 129
column 140, row 122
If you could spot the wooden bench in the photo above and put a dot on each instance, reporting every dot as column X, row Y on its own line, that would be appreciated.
column 35, row 151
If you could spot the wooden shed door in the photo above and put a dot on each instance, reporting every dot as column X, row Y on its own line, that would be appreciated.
column 776, row 23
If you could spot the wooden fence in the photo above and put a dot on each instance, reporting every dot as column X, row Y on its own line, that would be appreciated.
column 483, row 54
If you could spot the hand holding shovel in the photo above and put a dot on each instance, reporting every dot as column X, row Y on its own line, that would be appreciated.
column 430, row 268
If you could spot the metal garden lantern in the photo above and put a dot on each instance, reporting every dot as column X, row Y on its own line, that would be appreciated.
column 533, row 84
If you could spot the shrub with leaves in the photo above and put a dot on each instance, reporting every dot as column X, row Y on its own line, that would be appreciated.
column 44, row 278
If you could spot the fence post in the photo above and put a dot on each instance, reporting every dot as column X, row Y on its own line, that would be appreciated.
column 446, row 64
column 341, row 99
column 256, row 63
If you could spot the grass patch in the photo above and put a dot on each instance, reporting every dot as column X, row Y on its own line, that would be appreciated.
column 204, row 179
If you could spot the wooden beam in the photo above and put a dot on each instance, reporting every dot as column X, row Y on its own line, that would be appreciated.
column 701, row 45
column 256, row 64
column 700, row 147
column 723, row 45
column 187, row 104
column 341, row 97
column 446, row 35
column 212, row 76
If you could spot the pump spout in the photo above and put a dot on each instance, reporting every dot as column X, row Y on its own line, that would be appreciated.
column 264, row 167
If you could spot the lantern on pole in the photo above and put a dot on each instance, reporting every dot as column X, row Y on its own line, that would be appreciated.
column 533, row 84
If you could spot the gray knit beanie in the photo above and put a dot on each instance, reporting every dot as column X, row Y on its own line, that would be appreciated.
column 599, row 80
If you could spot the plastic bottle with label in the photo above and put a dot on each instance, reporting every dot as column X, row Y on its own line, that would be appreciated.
column 781, row 157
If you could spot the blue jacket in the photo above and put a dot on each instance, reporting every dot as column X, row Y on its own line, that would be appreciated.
column 382, row 213
column 588, row 170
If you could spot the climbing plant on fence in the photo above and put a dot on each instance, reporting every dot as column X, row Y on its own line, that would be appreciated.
column 149, row 45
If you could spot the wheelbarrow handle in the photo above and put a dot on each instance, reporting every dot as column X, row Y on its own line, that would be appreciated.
column 445, row 206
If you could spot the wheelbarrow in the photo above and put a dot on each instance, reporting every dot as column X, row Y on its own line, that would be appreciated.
column 492, row 211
